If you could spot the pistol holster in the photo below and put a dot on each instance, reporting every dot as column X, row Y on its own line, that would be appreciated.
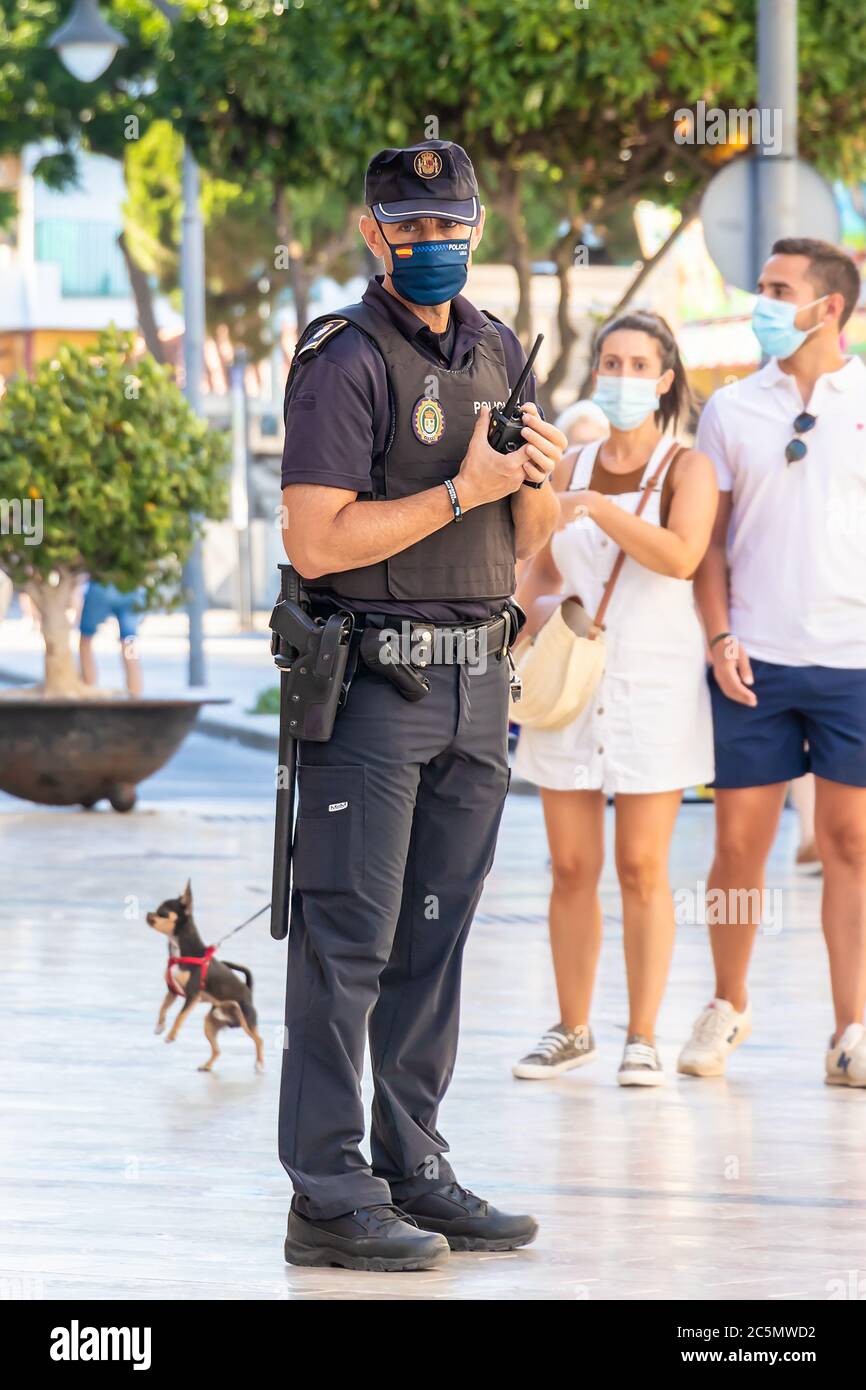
column 313, row 656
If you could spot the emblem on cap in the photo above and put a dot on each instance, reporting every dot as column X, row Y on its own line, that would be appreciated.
column 428, row 420
column 427, row 164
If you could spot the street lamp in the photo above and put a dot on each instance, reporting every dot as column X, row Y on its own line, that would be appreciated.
column 85, row 44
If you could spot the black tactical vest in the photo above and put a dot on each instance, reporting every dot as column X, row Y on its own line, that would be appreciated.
column 433, row 415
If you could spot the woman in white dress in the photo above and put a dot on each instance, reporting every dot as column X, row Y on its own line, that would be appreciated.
column 647, row 732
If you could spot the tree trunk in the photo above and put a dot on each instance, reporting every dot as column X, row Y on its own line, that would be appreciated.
column 298, row 275
column 54, row 601
column 563, row 256
column 688, row 211
column 508, row 202
column 143, row 302
column 300, row 282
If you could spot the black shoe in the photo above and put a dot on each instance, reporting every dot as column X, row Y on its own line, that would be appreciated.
column 467, row 1222
column 377, row 1238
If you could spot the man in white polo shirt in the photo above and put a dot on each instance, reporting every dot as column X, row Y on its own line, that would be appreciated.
column 782, row 592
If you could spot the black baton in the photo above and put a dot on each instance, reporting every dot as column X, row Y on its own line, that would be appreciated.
column 312, row 656
column 287, row 772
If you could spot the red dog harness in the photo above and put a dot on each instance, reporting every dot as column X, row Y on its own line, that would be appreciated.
column 204, row 961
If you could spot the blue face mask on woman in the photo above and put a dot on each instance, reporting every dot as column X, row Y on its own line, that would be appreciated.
column 429, row 272
column 626, row 400
column 773, row 325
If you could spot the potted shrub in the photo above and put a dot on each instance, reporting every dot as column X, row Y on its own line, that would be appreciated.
column 105, row 467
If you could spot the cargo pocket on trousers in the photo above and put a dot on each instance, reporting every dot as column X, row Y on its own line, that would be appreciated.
column 329, row 835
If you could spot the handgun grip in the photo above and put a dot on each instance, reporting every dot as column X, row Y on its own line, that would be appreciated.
column 292, row 624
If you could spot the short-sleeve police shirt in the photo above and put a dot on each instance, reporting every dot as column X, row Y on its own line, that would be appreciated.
column 337, row 415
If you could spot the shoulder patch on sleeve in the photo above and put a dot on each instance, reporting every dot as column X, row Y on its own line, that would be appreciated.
column 319, row 336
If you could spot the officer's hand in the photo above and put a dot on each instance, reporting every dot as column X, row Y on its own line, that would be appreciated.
column 485, row 475
column 544, row 446
column 733, row 671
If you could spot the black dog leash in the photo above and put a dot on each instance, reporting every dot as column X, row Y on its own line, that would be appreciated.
column 260, row 913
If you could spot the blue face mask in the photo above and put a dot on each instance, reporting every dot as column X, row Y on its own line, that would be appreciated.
column 773, row 326
column 429, row 272
column 626, row 400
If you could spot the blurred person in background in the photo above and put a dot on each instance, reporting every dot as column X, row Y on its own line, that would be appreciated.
column 783, row 599
column 802, row 796
column 646, row 733
column 583, row 423
column 103, row 601
column 6, row 592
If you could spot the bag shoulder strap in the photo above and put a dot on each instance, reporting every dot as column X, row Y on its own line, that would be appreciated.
column 574, row 467
column 669, row 459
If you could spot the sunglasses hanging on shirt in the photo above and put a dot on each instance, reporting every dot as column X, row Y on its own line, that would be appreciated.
column 798, row 448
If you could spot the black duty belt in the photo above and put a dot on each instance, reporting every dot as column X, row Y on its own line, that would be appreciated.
column 449, row 644
column 400, row 649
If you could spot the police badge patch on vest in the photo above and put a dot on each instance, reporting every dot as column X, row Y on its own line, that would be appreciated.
column 428, row 420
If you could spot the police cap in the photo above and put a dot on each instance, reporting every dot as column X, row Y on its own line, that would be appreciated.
column 432, row 179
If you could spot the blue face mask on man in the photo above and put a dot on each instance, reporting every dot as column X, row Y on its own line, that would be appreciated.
column 773, row 325
column 429, row 272
column 626, row 400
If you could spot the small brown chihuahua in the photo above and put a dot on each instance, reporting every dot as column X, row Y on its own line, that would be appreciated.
column 199, row 977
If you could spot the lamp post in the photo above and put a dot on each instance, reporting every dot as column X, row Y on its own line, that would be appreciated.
column 775, row 174
column 240, row 488
column 86, row 46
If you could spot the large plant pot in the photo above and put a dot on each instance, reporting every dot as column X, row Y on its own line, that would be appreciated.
column 66, row 752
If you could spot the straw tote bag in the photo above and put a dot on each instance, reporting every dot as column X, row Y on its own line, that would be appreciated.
column 560, row 668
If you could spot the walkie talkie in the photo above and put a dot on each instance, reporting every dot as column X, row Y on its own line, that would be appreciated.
column 506, row 424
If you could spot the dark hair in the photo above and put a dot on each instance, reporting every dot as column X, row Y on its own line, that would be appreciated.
column 676, row 401
column 831, row 271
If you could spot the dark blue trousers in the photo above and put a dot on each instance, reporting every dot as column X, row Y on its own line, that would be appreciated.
column 397, row 821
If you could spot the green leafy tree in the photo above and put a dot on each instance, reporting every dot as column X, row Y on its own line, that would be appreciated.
column 103, row 456
column 561, row 105
column 40, row 100
column 246, row 86
column 567, row 111
column 238, row 229
column 259, row 240
column 575, row 107
column 255, row 88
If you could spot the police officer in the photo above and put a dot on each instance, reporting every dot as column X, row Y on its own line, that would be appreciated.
column 398, row 510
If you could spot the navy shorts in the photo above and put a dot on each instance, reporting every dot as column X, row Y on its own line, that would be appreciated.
column 807, row 719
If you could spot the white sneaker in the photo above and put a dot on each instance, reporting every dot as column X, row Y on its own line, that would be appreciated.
column 559, row 1049
column 716, row 1033
column 846, row 1061
column 640, row 1065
